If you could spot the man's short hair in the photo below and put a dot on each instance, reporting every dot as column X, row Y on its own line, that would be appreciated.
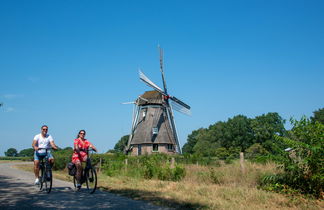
column 44, row 126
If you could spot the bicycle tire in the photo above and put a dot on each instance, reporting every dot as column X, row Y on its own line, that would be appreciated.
column 41, row 177
column 74, row 181
column 91, row 180
column 48, row 179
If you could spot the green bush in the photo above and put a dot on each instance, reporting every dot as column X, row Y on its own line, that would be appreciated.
column 155, row 166
column 303, row 166
column 179, row 172
column 62, row 158
column 18, row 158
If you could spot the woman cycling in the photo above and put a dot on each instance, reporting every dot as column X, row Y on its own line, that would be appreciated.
column 81, row 145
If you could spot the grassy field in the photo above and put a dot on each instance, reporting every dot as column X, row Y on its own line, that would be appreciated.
column 223, row 187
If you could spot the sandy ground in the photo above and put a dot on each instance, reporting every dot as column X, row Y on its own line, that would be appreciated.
column 17, row 191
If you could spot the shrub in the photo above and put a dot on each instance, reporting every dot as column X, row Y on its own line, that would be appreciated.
column 303, row 165
column 179, row 172
column 62, row 158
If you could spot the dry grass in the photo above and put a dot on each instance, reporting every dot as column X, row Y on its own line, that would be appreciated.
column 223, row 187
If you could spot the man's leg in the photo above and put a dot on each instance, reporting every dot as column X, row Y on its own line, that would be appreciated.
column 51, row 161
column 36, row 168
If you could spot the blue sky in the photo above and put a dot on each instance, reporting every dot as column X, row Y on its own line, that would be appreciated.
column 70, row 64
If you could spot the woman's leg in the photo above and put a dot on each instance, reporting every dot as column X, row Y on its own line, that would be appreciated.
column 78, row 172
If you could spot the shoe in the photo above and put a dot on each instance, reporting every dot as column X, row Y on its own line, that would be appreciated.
column 36, row 181
column 78, row 186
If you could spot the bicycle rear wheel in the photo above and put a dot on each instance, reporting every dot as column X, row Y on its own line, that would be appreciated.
column 91, row 180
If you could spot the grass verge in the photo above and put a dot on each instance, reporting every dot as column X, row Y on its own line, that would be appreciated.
column 223, row 187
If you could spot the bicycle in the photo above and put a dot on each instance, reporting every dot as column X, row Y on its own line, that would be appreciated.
column 88, row 176
column 46, row 178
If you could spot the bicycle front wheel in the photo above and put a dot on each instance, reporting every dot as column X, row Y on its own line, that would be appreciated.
column 91, row 180
column 48, row 180
column 41, row 167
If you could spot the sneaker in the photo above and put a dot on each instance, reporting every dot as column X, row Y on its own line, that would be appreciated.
column 78, row 186
column 36, row 181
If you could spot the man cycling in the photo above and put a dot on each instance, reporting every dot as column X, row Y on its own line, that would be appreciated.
column 41, row 142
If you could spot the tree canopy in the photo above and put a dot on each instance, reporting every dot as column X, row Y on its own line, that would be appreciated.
column 11, row 152
column 237, row 134
column 318, row 116
column 121, row 144
column 26, row 152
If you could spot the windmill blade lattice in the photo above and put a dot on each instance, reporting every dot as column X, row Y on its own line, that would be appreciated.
column 180, row 108
column 147, row 81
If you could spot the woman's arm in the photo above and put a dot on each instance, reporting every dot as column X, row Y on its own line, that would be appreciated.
column 76, row 148
column 93, row 147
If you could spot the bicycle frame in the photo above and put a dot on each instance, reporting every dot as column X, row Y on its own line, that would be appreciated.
column 88, row 175
column 46, row 173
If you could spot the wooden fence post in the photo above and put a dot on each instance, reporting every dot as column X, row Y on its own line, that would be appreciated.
column 172, row 162
column 126, row 163
column 100, row 162
column 242, row 162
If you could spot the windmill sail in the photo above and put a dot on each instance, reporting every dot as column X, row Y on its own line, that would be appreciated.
column 180, row 108
column 162, row 72
column 146, row 80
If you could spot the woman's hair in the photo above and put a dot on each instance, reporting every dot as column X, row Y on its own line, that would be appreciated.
column 80, row 132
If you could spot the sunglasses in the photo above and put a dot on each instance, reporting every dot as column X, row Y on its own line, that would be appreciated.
column 44, row 129
column 82, row 133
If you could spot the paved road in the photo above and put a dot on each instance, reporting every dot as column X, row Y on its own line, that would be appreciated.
column 18, row 192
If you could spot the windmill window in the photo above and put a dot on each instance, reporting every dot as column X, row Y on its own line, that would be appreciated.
column 170, row 146
column 144, row 113
column 139, row 149
column 155, row 131
column 155, row 147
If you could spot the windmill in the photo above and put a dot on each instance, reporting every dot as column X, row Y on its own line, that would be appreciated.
column 153, row 125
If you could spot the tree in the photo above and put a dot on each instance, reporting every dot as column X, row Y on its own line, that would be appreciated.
column 266, row 126
column 238, row 133
column 121, row 144
column 318, row 116
column 26, row 152
column 11, row 152
column 191, row 141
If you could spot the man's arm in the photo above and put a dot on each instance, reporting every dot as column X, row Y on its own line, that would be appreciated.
column 34, row 145
column 53, row 145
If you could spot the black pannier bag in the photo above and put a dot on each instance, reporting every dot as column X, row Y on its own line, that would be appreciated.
column 72, row 169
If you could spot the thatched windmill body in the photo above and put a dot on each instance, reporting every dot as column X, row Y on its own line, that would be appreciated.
column 153, row 127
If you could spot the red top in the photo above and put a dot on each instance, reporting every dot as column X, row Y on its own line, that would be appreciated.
column 83, row 146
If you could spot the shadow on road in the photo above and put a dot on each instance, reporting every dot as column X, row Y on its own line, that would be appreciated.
column 17, row 194
column 157, row 199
